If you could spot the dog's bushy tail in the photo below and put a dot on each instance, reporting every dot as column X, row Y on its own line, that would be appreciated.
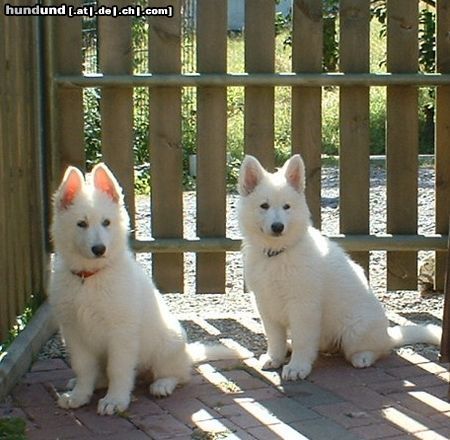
column 200, row 352
column 415, row 334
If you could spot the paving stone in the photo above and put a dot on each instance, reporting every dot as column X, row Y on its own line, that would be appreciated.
column 189, row 411
column 421, row 402
column 60, row 433
column 363, row 397
column 219, row 426
column 26, row 395
column 276, row 432
column 391, row 361
column 242, row 417
column 220, row 399
column 441, row 391
column 288, row 410
column 143, row 405
column 341, row 376
column 428, row 380
column 49, row 365
column 410, row 371
column 308, row 394
column 321, row 429
column 102, row 424
column 45, row 417
column 393, row 386
column 346, row 414
column 373, row 432
column 407, row 420
column 52, row 376
column 130, row 435
column 244, row 380
column 433, row 435
column 162, row 426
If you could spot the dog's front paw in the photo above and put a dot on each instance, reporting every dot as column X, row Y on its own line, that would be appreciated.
column 269, row 363
column 296, row 370
column 73, row 400
column 163, row 387
column 110, row 405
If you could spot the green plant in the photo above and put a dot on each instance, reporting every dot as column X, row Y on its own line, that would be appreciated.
column 12, row 428
column 92, row 126
column 21, row 321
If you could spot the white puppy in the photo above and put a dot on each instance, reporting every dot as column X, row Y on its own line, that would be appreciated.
column 305, row 284
column 112, row 318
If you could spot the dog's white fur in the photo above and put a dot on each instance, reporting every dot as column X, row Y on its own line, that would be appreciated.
column 115, row 323
column 305, row 284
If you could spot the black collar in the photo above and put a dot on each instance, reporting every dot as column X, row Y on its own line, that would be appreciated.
column 273, row 253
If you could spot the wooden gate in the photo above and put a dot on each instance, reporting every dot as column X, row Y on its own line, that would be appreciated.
column 65, row 83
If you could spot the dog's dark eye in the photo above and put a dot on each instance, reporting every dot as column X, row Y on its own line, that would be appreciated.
column 82, row 224
column 286, row 206
column 106, row 223
column 264, row 206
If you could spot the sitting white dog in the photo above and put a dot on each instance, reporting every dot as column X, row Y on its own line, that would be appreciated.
column 113, row 319
column 305, row 284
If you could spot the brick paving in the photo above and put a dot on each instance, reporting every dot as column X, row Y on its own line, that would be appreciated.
column 402, row 397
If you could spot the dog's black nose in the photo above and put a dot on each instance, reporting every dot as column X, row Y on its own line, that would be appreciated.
column 277, row 227
column 98, row 250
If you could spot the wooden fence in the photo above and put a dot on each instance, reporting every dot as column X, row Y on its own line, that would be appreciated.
column 22, row 233
column 64, row 125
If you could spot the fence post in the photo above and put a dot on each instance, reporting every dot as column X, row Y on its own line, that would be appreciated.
column 116, row 56
column 354, row 149
column 69, row 113
column 306, row 123
column 442, row 146
column 402, row 140
column 211, row 142
column 259, row 101
column 166, row 150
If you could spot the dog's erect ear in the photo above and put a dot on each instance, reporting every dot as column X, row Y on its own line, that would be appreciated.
column 71, row 185
column 294, row 171
column 250, row 175
column 105, row 181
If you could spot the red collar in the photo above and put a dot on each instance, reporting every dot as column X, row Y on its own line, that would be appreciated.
column 83, row 274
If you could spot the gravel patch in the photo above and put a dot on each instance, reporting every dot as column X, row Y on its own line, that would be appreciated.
column 212, row 317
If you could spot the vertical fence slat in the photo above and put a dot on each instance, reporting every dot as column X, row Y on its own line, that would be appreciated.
column 20, row 225
column 442, row 149
column 36, row 184
column 306, row 116
column 3, row 188
column 70, row 121
column 354, row 124
column 259, row 101
column 165, row 147
column 8, row 110
column 402, row 140
column 23, row 107
column 115, row 53
column 211, row 142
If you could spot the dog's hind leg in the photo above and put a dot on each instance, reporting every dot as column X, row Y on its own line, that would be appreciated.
column 170, row 370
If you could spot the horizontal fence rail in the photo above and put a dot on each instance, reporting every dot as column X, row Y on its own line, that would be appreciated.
column 351, row 243
column 254, row 79
column 182, row 121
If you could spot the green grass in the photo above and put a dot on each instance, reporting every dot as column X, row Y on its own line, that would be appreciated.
column 12, row 428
